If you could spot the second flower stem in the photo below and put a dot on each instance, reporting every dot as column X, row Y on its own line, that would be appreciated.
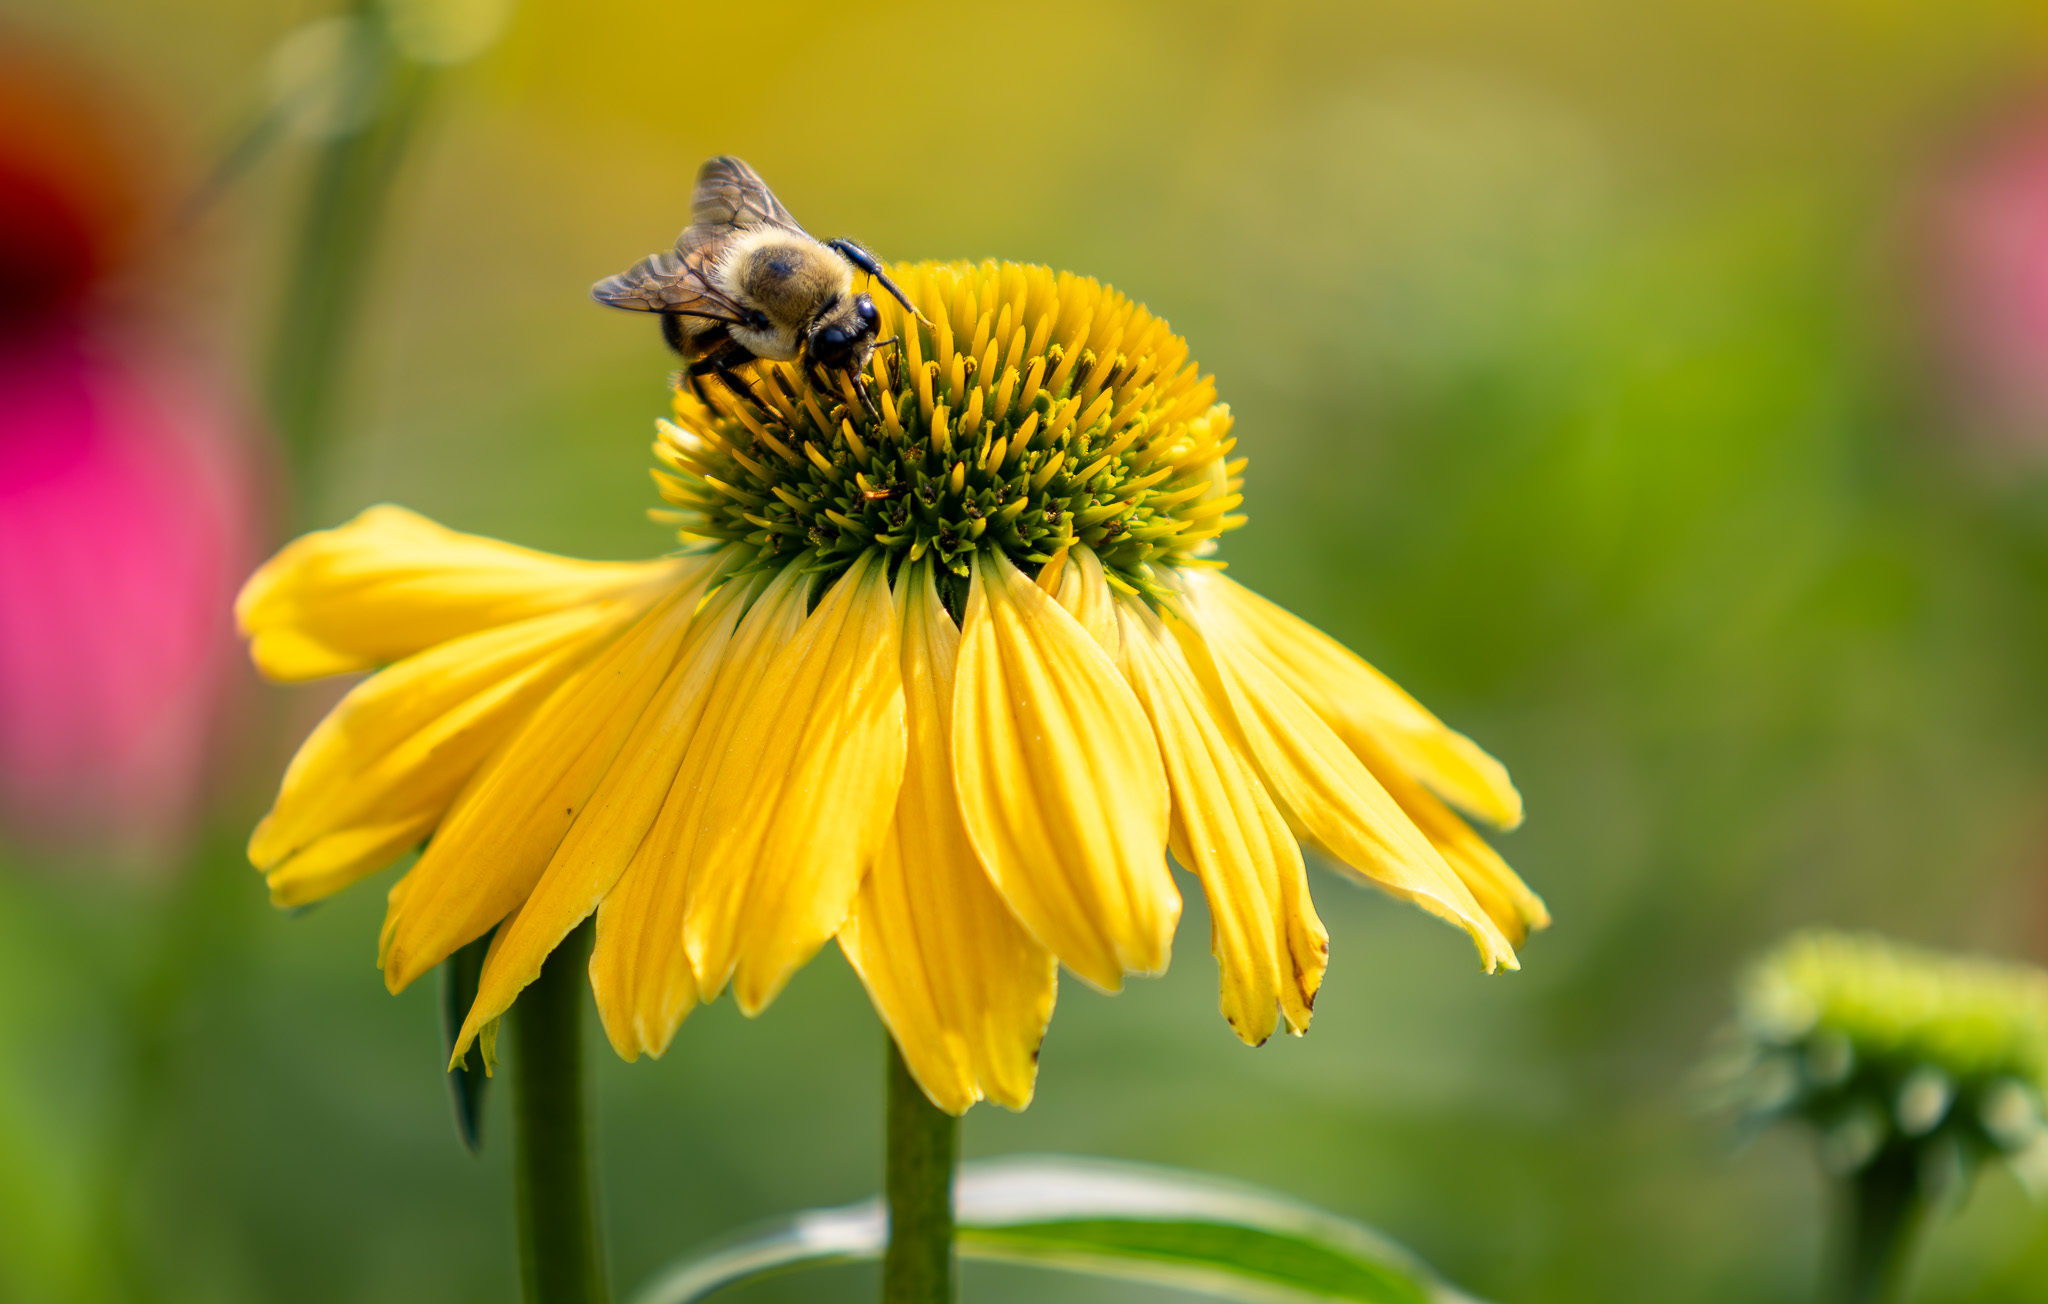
column 561, row 1248
column 1880, row 1225
column 924, row 1145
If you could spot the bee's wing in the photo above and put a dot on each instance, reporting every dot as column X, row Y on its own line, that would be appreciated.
column 731, row 197
column 669, row 282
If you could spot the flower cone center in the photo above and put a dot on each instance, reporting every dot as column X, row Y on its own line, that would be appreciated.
column 1033, row 411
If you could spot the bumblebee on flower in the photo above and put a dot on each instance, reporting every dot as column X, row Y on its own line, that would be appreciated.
column 943, row 680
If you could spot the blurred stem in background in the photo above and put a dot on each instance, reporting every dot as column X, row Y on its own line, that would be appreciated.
column 1882, row 1212
column 348, row 84
column 924, row 1149
column 357, row 85
column 329, row 271
column 344, row 82
column 561, row 1246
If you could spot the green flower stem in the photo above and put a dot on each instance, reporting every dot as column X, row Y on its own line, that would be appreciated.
column 924, row 1149
column 561, row 1251
column 1881, row 1221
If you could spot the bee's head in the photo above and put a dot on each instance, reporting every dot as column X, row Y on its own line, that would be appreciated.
column 843, row 337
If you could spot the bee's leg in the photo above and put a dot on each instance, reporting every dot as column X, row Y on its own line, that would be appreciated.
column 902, row 363
column 867, row 400
column 814, row 376
column 893, row 369
column 867, row 262
column 672, row 332
column 701, row 352
column 740, row 388
column 720, row 364
column 693, row 375
column 846, row 390
column 778, row 383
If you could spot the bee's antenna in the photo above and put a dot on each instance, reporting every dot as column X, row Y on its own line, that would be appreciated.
column 866, row 261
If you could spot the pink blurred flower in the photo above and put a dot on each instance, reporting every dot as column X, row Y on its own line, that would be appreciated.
column 1988, row 254
column 126, row 515
column 123, row 531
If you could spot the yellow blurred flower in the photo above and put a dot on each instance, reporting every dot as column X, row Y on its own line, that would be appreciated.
column 944, row 679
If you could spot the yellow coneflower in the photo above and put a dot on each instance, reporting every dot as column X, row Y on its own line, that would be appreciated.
column 942, row 671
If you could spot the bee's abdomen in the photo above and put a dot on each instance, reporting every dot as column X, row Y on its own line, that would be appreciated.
column 693, row 337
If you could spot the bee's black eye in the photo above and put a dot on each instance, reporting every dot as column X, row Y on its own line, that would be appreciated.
column 831, row 346
column 864, row 307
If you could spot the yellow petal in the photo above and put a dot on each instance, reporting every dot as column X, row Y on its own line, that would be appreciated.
column 332, row 861
column 398, row 748
column 1059, row 782
column 611, row 826
column 1367, row 709
column 963, row 988
column 1083, row 590
column 504, row 828
column 1507, row 900
column 487, row 1030
column 639, row 969
column 1325, row 791
column 801, row 798
column 391, row 583
column 1268, row 943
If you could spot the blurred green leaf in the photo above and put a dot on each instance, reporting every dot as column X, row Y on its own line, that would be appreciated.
column 1161, row 1226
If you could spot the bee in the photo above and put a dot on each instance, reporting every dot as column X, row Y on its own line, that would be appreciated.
column 744, row 281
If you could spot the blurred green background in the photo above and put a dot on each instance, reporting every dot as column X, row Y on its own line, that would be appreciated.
column 1580, row 351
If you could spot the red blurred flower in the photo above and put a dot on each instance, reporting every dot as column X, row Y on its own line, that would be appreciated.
column 125, row 507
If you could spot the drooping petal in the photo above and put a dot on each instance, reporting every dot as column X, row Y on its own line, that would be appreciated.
column 1060, row 784
column 802, row 796
column 639, row 968
column 334, row 860
column 391, row 583
column 963, row 988
column 1367, row 709
column 1508, row 902
column 504, row 828
column 378, row 773
column 1269, row 945
column 1325, row 791
column 611, row 826
column 1506, row 899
